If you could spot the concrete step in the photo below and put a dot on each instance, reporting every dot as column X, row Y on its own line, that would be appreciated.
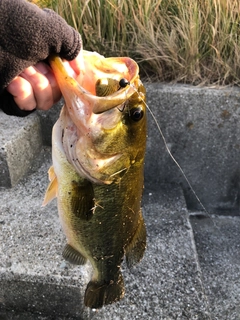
column 201, row 127
column 36, row 281
column 20, row 143
column 218, row 247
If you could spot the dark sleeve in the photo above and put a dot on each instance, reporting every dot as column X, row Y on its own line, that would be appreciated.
column 28, row 35
column 9, row 106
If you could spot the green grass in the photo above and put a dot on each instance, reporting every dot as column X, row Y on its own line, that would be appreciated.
column 189, row 41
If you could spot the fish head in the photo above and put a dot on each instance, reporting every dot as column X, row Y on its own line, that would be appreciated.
column 102, row 127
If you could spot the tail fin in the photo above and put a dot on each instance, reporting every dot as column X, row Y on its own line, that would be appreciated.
column 99, row 293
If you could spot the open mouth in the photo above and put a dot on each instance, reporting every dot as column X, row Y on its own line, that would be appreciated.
column 95, row 68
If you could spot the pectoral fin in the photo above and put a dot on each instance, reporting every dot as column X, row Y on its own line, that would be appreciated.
column 135, row 250
column 73, row 256
column 82, row 200
column 51, row 192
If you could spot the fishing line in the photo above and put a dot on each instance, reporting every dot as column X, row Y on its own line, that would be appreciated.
column 175, row 161
column 168, row 150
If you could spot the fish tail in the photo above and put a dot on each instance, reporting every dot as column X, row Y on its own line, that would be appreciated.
column 99, row 293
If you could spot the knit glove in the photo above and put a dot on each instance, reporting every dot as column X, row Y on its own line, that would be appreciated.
column 28, row 35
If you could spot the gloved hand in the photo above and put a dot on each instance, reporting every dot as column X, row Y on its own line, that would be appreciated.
column 28, row 35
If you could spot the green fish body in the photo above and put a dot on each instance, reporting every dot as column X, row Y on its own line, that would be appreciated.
column 98, row 147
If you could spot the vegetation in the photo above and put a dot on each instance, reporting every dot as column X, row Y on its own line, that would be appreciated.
column 188, row 41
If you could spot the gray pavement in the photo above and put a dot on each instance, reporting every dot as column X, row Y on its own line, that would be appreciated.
column 20, row 141
column 201, row 127
column 218, row 247
column 191, row 266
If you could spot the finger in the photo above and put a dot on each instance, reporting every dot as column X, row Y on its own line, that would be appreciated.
column 23, row 94
column 40, row 86
column 48, row 73
column 77, row 64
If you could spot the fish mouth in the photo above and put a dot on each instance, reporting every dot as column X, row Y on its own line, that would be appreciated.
column 87, row 117
column 96, row 67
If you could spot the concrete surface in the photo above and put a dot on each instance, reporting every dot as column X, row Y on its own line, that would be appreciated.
column 47, row 120
column 201, row 126
column 20, row 143
column 218, row 247
column 183, row 275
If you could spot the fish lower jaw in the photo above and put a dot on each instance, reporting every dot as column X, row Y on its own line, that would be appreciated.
column 94, row 169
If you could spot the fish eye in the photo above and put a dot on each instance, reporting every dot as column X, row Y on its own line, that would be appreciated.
column 123, row 83
column 136, row 114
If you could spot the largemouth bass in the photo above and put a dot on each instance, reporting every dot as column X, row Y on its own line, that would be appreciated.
column 98, row 147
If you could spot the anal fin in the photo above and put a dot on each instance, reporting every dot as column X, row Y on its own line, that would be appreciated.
column 73, row 256
column 135, row 250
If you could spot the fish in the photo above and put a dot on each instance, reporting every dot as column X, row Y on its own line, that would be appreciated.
column 97, row 172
